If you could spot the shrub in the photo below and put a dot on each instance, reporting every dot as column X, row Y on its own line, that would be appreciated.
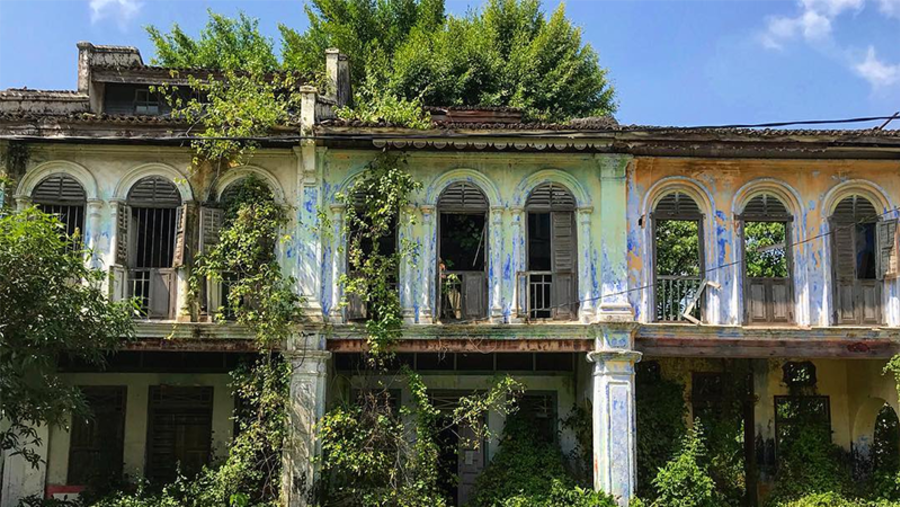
column 562, row 494
column 660, row 423
column 684, row 481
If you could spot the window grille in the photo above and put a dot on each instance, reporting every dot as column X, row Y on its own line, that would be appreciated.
column 97, row 441
column 64, row 197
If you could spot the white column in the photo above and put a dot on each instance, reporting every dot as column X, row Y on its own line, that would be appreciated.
column 428, row 259
column 92, row 232
column 22, row 202
column 338, row 260
column 587, row 295
column 20, row 478
column 614, row 304
column 307, row 406
column 495, row 270
column 517, row 297
column 308, row 238
column 612, row 396
column 408, row 300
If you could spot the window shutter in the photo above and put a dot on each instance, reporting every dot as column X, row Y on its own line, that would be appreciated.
column 475, row 284
column 180, row 227
column 162, row 294
column 211, row 220
column 123, row 234
column 844, row 248
column 887, row 249
column 563, row 241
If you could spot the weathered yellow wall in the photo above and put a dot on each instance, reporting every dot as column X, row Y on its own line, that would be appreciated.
column 136, row 407
column 809, row 188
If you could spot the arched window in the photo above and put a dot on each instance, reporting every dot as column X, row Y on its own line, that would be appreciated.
column 551, row 276
column 462, row 246
column 63, row 196
column 384, row 246
column 151, row 244
column 678, row 258
column 859, row 242
column 768, row 287
column 213, row 216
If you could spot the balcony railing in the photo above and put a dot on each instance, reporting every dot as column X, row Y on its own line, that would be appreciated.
column 155, row 290
column 547, row 295
column 676, row 295
column 463, row 295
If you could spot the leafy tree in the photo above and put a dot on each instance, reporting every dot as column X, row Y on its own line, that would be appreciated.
column 225, row 43
column 685, row 481
column 765, row 249
column 660, row 411
column 52, row 309
column 408, row 53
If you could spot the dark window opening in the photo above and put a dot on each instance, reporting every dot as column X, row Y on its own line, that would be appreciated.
column 549, row 286
column 146, row 102
column 796, row 415
column 462, row 252
column 372, row 247
column 537, row 413
column 180, row 431
column 152, row 231
column 97, row 440
column 859, row 260
column 63, row 197
column 886, row 443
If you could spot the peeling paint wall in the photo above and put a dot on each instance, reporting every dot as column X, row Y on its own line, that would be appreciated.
column 809, row 189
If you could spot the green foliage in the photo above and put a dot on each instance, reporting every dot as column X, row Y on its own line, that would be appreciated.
column 678, row 248
column 234, row 110
column 225, row 43
column 53, row 309
column 561, row 494
column 685, row 481
column 386, row 185
column 886, row 454
column 370, row 459
column 525, row 469
column 832, row 499
column 660, row 417
column 765, row 249
column 409, row 53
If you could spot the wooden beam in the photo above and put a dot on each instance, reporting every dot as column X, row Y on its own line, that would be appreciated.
column 767, row 348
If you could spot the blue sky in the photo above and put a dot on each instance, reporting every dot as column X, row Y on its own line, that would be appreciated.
column 673, row 62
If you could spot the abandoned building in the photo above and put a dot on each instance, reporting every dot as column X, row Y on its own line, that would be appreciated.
column 561, row 254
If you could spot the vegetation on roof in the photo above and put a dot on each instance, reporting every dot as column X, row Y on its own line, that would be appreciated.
column 408, row 54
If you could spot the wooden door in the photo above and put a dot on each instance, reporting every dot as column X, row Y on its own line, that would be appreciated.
column 564, row 302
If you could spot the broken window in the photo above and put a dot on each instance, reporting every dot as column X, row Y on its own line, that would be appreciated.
column 385, row 246
column 151, row 244
column 549, row 286
column 179, row 433
column 213, row 216
column 863, row 253
column 462, row 258
column 62, row 196
column 768, row 287
column 799, row 414
column 678, row 258
column 146, row 102
column 97, row 440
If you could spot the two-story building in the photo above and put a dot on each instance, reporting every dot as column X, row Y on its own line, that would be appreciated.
column 564, row 274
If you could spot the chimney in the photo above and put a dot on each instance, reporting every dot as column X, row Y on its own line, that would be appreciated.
column 85, row 51
column 337, row 68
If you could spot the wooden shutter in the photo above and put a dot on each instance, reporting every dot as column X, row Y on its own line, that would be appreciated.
column 887, row 258
column 178, row 255
column 758, row 303
column 356, row 307
column 782, row 302
column 474, row 287
column 123, row 234
column 180, row 431
column 843, row 241
column 211, row 220
column 97, row 441
column 563, row 244
column 162, row 293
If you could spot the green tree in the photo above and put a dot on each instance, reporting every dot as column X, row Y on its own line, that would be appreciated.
column 407, row 53
column 53, row 308
column 225, row 43
column 685, row 481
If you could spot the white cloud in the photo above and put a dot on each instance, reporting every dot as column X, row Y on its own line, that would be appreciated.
column 813, row 22
column 876, row 72
column 889, row 8
column 123, row 10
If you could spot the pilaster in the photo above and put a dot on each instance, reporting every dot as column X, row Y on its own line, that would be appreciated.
column 586, row 292
column 22, row 201
column 518, row 289
column 613, row 305
column 428, row 262
column 92, row 232
column 408, row 300
column 308, row 236
column 613, row 415
column 338, row 260
column 495, row 282
column 307, row 406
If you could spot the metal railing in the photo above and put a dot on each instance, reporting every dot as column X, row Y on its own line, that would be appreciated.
column 675, row 295
column 536, row 294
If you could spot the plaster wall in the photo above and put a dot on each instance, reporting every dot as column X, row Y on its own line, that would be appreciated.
column 809, row 189
column 136, row 412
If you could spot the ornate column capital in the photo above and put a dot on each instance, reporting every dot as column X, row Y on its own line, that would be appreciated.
column 22, row 201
